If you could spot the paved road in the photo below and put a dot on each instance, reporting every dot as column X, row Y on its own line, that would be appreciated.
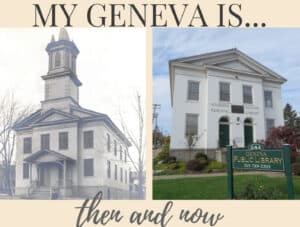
column 270, row 174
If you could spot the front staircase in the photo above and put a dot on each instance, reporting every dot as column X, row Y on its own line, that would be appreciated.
column 41, row 193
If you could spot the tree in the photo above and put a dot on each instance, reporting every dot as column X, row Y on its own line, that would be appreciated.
column 136, row 138
column 284, row 135
column 291, row 119
column 11, row 113
column 290, row 116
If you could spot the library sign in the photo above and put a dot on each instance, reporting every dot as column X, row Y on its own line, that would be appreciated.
column 257, row 158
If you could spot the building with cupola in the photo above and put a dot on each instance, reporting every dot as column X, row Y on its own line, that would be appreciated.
column 222, row 98
column 65, row 150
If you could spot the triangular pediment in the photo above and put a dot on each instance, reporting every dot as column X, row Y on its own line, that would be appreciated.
column 237, row 65
column 232, row 59
column 54, row 115
column 46, row 156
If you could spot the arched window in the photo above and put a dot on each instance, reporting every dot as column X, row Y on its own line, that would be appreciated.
column 57, row 59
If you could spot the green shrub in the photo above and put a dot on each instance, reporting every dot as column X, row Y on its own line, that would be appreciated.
column 194, row 165
column 297, row 159
column 164, row 154
column 259, row 191
column 172, row 159
column 216, row 165
column 173, row 166
column 199, row 155
column 296, row 168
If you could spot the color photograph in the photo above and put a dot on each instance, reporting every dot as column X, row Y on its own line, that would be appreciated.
column 226, row 114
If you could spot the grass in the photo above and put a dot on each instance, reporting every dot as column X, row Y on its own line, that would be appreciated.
column 216, row 187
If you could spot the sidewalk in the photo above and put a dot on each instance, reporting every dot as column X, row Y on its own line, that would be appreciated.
column 270, row 174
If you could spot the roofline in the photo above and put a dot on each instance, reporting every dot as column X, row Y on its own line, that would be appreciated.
column 232, row 50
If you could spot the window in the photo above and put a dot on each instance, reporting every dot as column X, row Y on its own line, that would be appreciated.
column 121, row 174
column 25, row 170
column 193, row 90
column 125, row 176
column 121, row 153
column 116, row 172
column 125, row 154
column 27, row 145
column 88, row 167
column 45, row 142
column 108, row 169
column 268, row 99
column 224, row 92
column 270, row 123
column 115, row 147
column 57, row 59
column 88, row 139
column 191, row 124
column 108, row 142
column 63, row 140
column 247, row 94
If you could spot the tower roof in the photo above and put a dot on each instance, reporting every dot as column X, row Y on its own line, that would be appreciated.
column 63, row 34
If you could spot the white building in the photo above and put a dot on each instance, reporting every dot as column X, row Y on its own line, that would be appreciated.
column 65, row 148
column 222, row 98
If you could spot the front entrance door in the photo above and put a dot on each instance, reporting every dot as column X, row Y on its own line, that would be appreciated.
column 48, row 175
column 248, row 132
column 44, row 176
column 224, row 135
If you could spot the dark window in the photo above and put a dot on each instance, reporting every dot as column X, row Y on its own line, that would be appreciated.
column 108, row 142
column 116, row 172
column 268, row 99
column 88, row 166
column 121, row 174
column 237, row 109
column 193, row 90
column 88, row 139
column 125, row 154
column 27, row 145
column 247, row 94
column 25, row 170
column 115, row 147
column 45, row 142
column 121, row 153
column 63, row 140
column 191, row 124
column 125, row 176
column 224, row 91
column 108, row 169
column 270, row 123
column 57, row 59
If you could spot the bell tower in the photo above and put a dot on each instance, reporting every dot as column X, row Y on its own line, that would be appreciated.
column 61, row 81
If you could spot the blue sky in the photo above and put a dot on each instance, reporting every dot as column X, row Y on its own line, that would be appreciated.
column 276, row 48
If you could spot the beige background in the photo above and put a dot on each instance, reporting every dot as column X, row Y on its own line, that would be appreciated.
column 15, row 13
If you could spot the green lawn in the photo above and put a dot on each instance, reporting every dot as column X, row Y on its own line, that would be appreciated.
column 216, row 187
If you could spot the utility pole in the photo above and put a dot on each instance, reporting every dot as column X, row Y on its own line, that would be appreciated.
column 156, row 108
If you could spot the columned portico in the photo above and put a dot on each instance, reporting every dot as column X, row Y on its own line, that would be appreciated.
column 51, row 171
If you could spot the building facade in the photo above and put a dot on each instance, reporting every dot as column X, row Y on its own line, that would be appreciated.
column 222, row 98
column 64, row 149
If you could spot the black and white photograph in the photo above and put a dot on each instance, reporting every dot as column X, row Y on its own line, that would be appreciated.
column 72, row 113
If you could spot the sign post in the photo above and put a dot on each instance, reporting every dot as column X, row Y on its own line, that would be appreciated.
column 257, row 158
column 229, row 173
column 288, row 171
